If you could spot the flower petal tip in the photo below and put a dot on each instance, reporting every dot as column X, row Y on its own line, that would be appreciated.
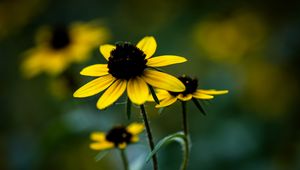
column 225, row 91
column 76, row 94
column 106, row 49
column 180, row 88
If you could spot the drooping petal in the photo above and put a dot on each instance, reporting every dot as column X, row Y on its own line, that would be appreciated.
column 101, row 145
column 137, row 90
column 199, row 95
column 147, row 45
column 166, row 102
column 98, row 136
column 212, row 91
column 165, row 60
column 112, row 94
column 122, row 145
column 135, row 128
column 134, row 139
column 163, row 81
column 95, row 70
column 185, row 97
column 106, row 49
column 95, row 86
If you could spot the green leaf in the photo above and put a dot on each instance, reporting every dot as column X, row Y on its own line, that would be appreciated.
column 128, row 108
column 101, row 155
column 153, row 94
column 199, row 106
column 175, row 137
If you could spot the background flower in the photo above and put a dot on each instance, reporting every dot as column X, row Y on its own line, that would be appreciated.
column 58, row 46
column 118, row 136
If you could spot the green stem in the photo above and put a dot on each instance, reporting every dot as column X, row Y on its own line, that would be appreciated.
column 186, row 153
column 128, row 108
column 124, row 159
column 150, row 138
column 184, row 118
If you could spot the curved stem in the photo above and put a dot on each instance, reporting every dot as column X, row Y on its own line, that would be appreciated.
column 186, row 153
column 150, row 138
column 124, row 159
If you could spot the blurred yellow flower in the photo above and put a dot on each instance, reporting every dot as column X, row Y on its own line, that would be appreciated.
column 129, row 67
column 230, row 39
column 58, row 47
column 169, row 97
column 118, row 137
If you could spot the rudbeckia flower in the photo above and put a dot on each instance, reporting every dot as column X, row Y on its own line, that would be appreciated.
column 191, row 92
column 117, row 137
column 59, row 46
column 130, row 67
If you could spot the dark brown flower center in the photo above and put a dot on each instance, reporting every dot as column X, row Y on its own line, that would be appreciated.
column 118, row 135
column 190, row 86
column 60, row 38
column 126, row 61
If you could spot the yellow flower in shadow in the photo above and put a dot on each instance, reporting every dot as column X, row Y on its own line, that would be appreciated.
column 117, row 137
column 169, row 97
column 129, row 67
column 57, row 47
column 232, row 38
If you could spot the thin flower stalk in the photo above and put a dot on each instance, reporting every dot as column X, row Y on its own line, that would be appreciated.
column 186, row 153
column 124, row 159
column 150, row 137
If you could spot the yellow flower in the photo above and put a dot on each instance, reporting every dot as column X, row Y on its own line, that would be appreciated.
column 118, row 136
column 129, row 67
column 57, row 47
column 169, row 97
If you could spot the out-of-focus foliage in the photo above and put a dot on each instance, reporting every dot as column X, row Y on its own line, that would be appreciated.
column 14, row 15
column 249, row 47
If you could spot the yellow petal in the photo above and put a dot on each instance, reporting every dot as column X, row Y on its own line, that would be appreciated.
column 147, row 45
column 134, row 139
column 95, row 86
column 122, row 145
column 160, row 94
column 33, row 63
column 185, row 97
column 137, row 90
column 112, row 94
column 106, row 49
column 200, row 95
column 101, row 145
column 98, row 136
column 95, row 70
column 166, row 102
column 165, row 60
column 135, row 128
column 213, row 92
column 163, row 81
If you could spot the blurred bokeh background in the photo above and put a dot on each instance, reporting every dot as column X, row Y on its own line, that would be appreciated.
column 249, row 47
